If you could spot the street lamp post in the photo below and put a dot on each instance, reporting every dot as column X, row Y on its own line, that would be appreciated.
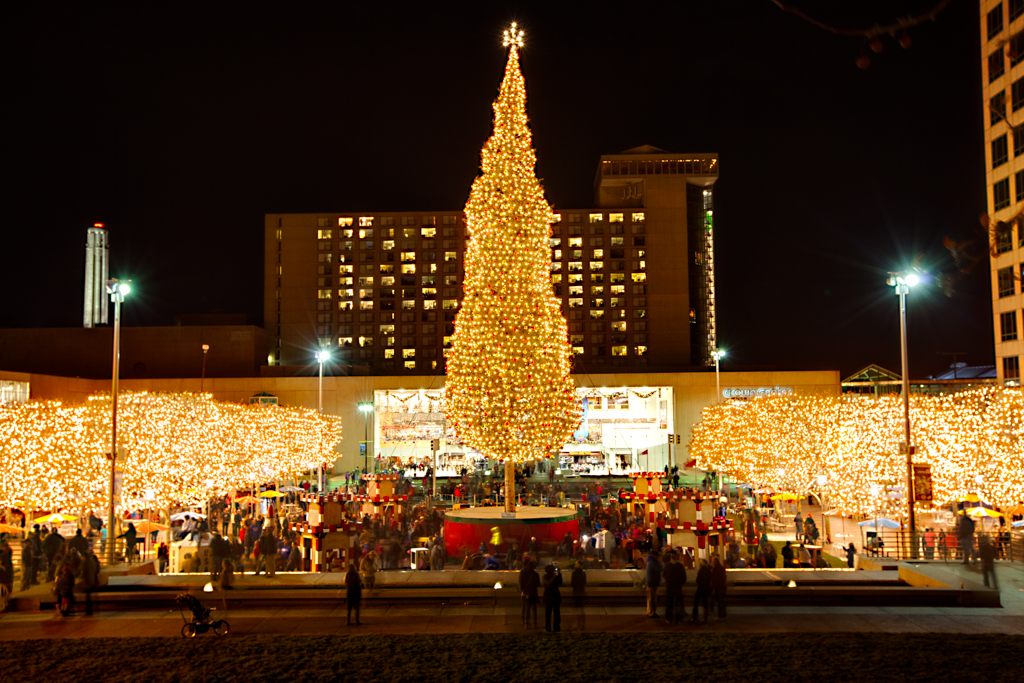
column 902, row 282
column 321, row 358
column 366, row 407
column 202, row 380
column 717, row 354
column 118, row 290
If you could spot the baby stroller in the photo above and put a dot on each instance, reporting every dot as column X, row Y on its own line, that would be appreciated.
column 201, row 622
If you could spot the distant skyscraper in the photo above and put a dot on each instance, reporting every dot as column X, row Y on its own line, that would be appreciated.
column 95, row 308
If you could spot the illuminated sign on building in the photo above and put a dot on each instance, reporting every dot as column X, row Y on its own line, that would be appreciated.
column 754, row 392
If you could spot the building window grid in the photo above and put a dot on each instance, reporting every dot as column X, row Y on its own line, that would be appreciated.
column 1008, row 326
column 995, row 21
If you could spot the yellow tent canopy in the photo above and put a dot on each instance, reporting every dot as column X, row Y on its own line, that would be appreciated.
column 785, row 496
column 55, row 518
column 984, row 512
column 271, row 494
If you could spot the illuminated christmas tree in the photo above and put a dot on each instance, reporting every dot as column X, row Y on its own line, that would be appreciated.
column 509, row 391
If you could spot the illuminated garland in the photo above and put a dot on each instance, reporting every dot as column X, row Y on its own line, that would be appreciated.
column 855, row 441
column 509, row 389
column 179, row 449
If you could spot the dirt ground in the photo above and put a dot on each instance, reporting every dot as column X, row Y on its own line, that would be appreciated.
column 522, row 657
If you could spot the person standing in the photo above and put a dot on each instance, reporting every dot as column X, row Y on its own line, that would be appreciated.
column 798, row 522
column 552, row 599
column 368, row 568
column 703, row 593
column 268, row 553
column 353, row 593
column 929, row 544
column 719, row 585
column 579, row 590
column 90, row 577
column 529, row 582
column 653, row 577
column 436, row 558
column 851, row 554
column 52, row 545
column 965, row 534
column 675, row 578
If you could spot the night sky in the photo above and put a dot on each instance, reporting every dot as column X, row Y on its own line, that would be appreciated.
column 179, row 128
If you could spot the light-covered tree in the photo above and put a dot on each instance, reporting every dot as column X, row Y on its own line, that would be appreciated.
column 509, row 393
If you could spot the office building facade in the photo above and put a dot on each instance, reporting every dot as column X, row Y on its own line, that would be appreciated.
column 1002, row 66
column 635, row 274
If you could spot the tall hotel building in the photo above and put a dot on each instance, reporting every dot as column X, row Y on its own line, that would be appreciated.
column 1002, row 67
column 635, row 274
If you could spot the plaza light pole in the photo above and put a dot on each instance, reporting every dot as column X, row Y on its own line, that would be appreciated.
column 901, row 282
column 717, row 354
column 202, row 380
column 366, row 407
column 118, row 290
column 321, row 358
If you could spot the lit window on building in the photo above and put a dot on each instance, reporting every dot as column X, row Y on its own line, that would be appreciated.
column 345, row 342
column 408, row 268
column 366, row 281
column 597, row 303
column 575, row 241
column 323, row 234
column 639, row 277
column 576, row 303
column 594, row 315
column 596, row 265
column 344, row 305
column 638, row 218
column 578, row 350
column 387, row 245
column 365, row 222
column 556, row 218
column 450, row 256
column 618, row 350
column 450, row 304
column 428, row 232
column 596, row 290
column 323, row 294
column 429, row 305
column 596, row 217
column 365, row 305
column 576, row 267
column 365, row 341
column 365, row 233
column 598, row 254
column 639, row 313
column 344, row 222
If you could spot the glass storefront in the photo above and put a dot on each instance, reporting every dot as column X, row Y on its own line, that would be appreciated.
column 623, row 429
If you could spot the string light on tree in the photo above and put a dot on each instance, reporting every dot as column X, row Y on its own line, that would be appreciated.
column 180, row 449
column 509, row 393
column 787, row 441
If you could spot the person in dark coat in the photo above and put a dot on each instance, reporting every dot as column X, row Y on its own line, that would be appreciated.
column 129, row 542
column 675, row 578
column 552, row 599
column 78, row 542
column 53, row 544
column 851, row 554
column 718, row 586
column 703, row 593
column 653, row 577
column 268, row 552
column 220, row 550
column 578, row 580
column 64, row 589
column 787, row 555
column 987, row 553
column 90, row 577
column 28, row 574
column 529, row 582
column 353, row 592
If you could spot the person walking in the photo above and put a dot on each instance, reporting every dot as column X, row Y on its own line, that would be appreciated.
column 578, row 580
column 552, row 599
column 129, row 537
column 529, row 582
column 787, row 555
column 675, row 578
column 798, row 522
column 436, row 558
column 63, row 589
column 353, row 593
column 719, row 585
column 987, row 554
column 703, row 593
column 220, row 550
column 653, row 577
column 90, row 577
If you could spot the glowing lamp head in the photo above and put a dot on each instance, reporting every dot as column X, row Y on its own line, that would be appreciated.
column 322, row 356
column 365, row 407
column 912, row 279
column 124, row 289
